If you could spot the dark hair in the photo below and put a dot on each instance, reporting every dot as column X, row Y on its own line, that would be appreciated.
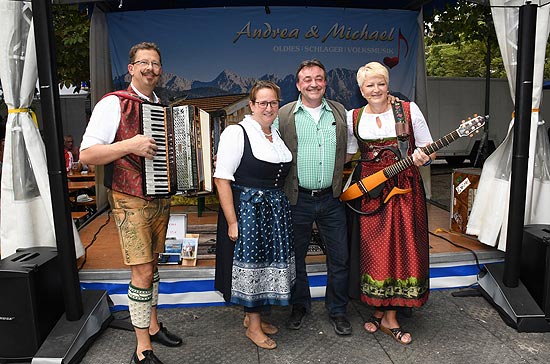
column 311, row 63
column 143, row 46
column 264, row 84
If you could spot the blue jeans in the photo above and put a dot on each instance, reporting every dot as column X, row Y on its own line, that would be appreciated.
column 330, row 217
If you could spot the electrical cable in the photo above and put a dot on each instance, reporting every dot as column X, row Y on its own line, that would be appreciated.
column 94, row 239
column 471, row 290
column 458, row 246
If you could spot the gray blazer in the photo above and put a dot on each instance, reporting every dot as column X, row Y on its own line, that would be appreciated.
column 287, row 128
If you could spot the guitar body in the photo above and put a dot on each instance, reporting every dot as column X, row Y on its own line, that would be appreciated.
column 379, row 155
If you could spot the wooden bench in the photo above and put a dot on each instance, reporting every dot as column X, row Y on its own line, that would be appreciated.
column 77, row 215
column 75, row 187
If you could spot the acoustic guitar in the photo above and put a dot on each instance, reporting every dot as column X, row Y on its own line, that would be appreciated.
column 370, row 183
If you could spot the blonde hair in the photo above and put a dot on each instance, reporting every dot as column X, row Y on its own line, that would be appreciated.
column 372, row 69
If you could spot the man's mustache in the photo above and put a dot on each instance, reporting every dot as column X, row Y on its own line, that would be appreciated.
column 151, row 73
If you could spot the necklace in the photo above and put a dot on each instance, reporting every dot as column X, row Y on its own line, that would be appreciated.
column 267, row 135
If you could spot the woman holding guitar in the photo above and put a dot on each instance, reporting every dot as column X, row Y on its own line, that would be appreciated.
column 389, row 228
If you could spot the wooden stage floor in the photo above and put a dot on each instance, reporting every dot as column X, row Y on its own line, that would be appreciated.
column 104, row 253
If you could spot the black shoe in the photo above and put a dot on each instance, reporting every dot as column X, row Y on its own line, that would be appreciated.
column 166, row 338
column 341, row 324
column 296, row 317
column 148, row 358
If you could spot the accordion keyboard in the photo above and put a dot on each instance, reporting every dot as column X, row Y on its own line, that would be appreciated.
column 156, row 171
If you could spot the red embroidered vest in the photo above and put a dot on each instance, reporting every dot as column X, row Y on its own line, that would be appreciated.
column 125, row 174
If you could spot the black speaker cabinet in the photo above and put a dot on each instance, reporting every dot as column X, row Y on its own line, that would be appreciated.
column 31, row 303
column 535, row 264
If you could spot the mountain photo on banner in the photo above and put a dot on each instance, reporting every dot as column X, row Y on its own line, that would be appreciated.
column 221, row 51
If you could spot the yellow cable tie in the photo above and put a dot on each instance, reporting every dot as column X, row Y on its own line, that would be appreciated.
column 26, row 109
column 532, row 110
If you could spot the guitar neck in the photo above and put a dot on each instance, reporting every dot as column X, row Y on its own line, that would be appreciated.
column 403, row 164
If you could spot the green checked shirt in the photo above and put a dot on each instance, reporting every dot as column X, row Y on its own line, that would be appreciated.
column 317, row 147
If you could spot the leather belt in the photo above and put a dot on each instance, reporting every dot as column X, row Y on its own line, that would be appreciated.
column 315, row 193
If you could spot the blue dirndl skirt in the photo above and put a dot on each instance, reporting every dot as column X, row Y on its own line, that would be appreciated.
column 264, row 268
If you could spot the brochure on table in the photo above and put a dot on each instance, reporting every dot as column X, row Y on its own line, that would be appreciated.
column 180, row 247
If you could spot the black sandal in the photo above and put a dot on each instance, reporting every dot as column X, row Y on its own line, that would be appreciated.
column 397, row 334
column 376, row 321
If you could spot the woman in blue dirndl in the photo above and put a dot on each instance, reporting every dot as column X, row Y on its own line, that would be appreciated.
column 254, row 249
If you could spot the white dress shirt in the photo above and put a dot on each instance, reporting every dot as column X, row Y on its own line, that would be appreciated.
column 369, row 130
column 105, row 120
column 231, row 147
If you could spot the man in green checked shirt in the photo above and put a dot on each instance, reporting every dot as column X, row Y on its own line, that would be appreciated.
column 315, row 131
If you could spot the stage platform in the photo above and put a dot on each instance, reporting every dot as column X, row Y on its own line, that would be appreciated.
column 452, row 261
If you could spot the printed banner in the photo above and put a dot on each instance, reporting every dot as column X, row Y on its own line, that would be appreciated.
column 217, row 51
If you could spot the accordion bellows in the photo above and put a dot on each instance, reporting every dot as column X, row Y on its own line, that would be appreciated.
column 183, row 163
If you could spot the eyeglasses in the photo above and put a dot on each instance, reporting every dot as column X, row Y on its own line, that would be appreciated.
column 144, row 63
column 263, row 104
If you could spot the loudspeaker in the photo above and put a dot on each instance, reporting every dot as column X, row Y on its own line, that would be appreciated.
column 535, row 264
column 32, row 301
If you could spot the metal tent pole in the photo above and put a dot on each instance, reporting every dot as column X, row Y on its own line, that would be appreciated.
column 53, row 133
column 520, row 151
column 86, row 313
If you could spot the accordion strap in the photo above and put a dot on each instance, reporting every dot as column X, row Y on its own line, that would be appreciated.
column 130, row 96
column 126, row 95
column 134, row 164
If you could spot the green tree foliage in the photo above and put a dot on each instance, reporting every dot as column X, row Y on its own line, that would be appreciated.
column 466, row 60
column 457, row 39
column 547, row 62
column 71, row 28
column 463, row 22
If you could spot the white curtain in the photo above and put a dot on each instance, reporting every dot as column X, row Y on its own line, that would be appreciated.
column 102, row 82
column 489, row 216
column 26, row 208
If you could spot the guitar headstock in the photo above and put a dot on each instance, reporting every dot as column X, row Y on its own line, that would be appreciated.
column 470, row 126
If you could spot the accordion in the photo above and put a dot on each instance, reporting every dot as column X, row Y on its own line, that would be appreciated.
column 183, row 163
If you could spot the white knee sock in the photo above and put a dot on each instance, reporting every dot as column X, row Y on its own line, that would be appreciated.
column 156, row 281
column 139, row 303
